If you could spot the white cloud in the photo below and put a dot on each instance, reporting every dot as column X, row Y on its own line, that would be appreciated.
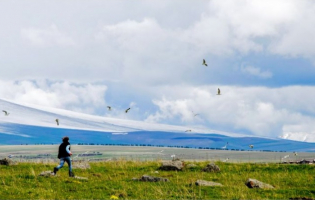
column 255, row 71
column 46, row 37
column 140, row 48
column 295, row 38
column 159, row 56
column 86, row 98
column 261, row 111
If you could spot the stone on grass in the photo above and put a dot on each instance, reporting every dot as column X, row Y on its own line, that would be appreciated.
column 147, row 178
column 176, row 165
column 81, row 178
column 253, row 183
column 47, row 173
column 207, row 183
column 211, row 167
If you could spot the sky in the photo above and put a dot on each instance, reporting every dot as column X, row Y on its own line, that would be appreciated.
column 147, row 55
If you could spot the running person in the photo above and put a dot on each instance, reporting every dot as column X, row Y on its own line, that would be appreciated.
column 64, row 154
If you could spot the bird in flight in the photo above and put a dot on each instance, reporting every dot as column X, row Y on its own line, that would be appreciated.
column 219, row 91
column 251, row 146
column 188, row 130
column 109, row 108
column 5, row 112
column 57, row 121
column 127, row 110
column 195, row 114
column 225, row 146
column 204, row 63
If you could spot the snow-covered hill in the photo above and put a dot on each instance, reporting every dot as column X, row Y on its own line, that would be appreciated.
column 30, row 124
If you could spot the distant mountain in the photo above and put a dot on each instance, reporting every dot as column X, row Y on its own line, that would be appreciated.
column 29, row 124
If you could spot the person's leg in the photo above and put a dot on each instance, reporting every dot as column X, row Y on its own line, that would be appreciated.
column 62, row 162
column 68, row 160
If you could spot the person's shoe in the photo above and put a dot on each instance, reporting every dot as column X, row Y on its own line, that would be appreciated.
column 71, row 174
column 55, row 170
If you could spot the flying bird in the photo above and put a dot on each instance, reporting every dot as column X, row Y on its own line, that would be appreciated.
column 5, row 112
column 188, row 130
column 219, row 91
column 204, row 63
column 127, row 110
column 195, row 114
column 251, row 146
column 57, row 121
column 224, row 147
column 109, row 108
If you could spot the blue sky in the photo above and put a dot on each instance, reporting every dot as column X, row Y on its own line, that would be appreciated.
column 147, row 55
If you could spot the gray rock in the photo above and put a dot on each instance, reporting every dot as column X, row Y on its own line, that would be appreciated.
column 147, row 178
column 47, row 173
column 253, row 183
column 211, row 167
column 176, row 165
column 207, row 183
column 81, row 178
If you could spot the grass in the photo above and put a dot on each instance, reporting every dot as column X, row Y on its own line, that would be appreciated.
column 114, row 179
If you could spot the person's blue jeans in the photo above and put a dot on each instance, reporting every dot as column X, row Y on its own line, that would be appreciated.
column 62, row 162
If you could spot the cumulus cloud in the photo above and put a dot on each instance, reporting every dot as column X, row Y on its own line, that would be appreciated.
column 46, row 37
column 158, row 57
column 257, row 110
column 295, row 38
column 146, row 51
column 144, row 43
column 87, row 98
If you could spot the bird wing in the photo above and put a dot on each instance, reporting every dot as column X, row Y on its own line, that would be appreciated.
column 204, row 62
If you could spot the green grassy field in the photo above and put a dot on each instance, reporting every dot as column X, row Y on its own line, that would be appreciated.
column 114, row 179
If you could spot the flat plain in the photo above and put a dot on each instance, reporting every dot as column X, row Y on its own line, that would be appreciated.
column 100, row 152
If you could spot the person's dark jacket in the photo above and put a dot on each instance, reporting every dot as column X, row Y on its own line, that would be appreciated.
column 62, row 150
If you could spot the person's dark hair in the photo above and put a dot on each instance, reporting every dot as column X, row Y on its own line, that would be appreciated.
column 65, row 139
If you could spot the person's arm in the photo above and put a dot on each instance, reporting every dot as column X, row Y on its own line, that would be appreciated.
column 68, row 150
